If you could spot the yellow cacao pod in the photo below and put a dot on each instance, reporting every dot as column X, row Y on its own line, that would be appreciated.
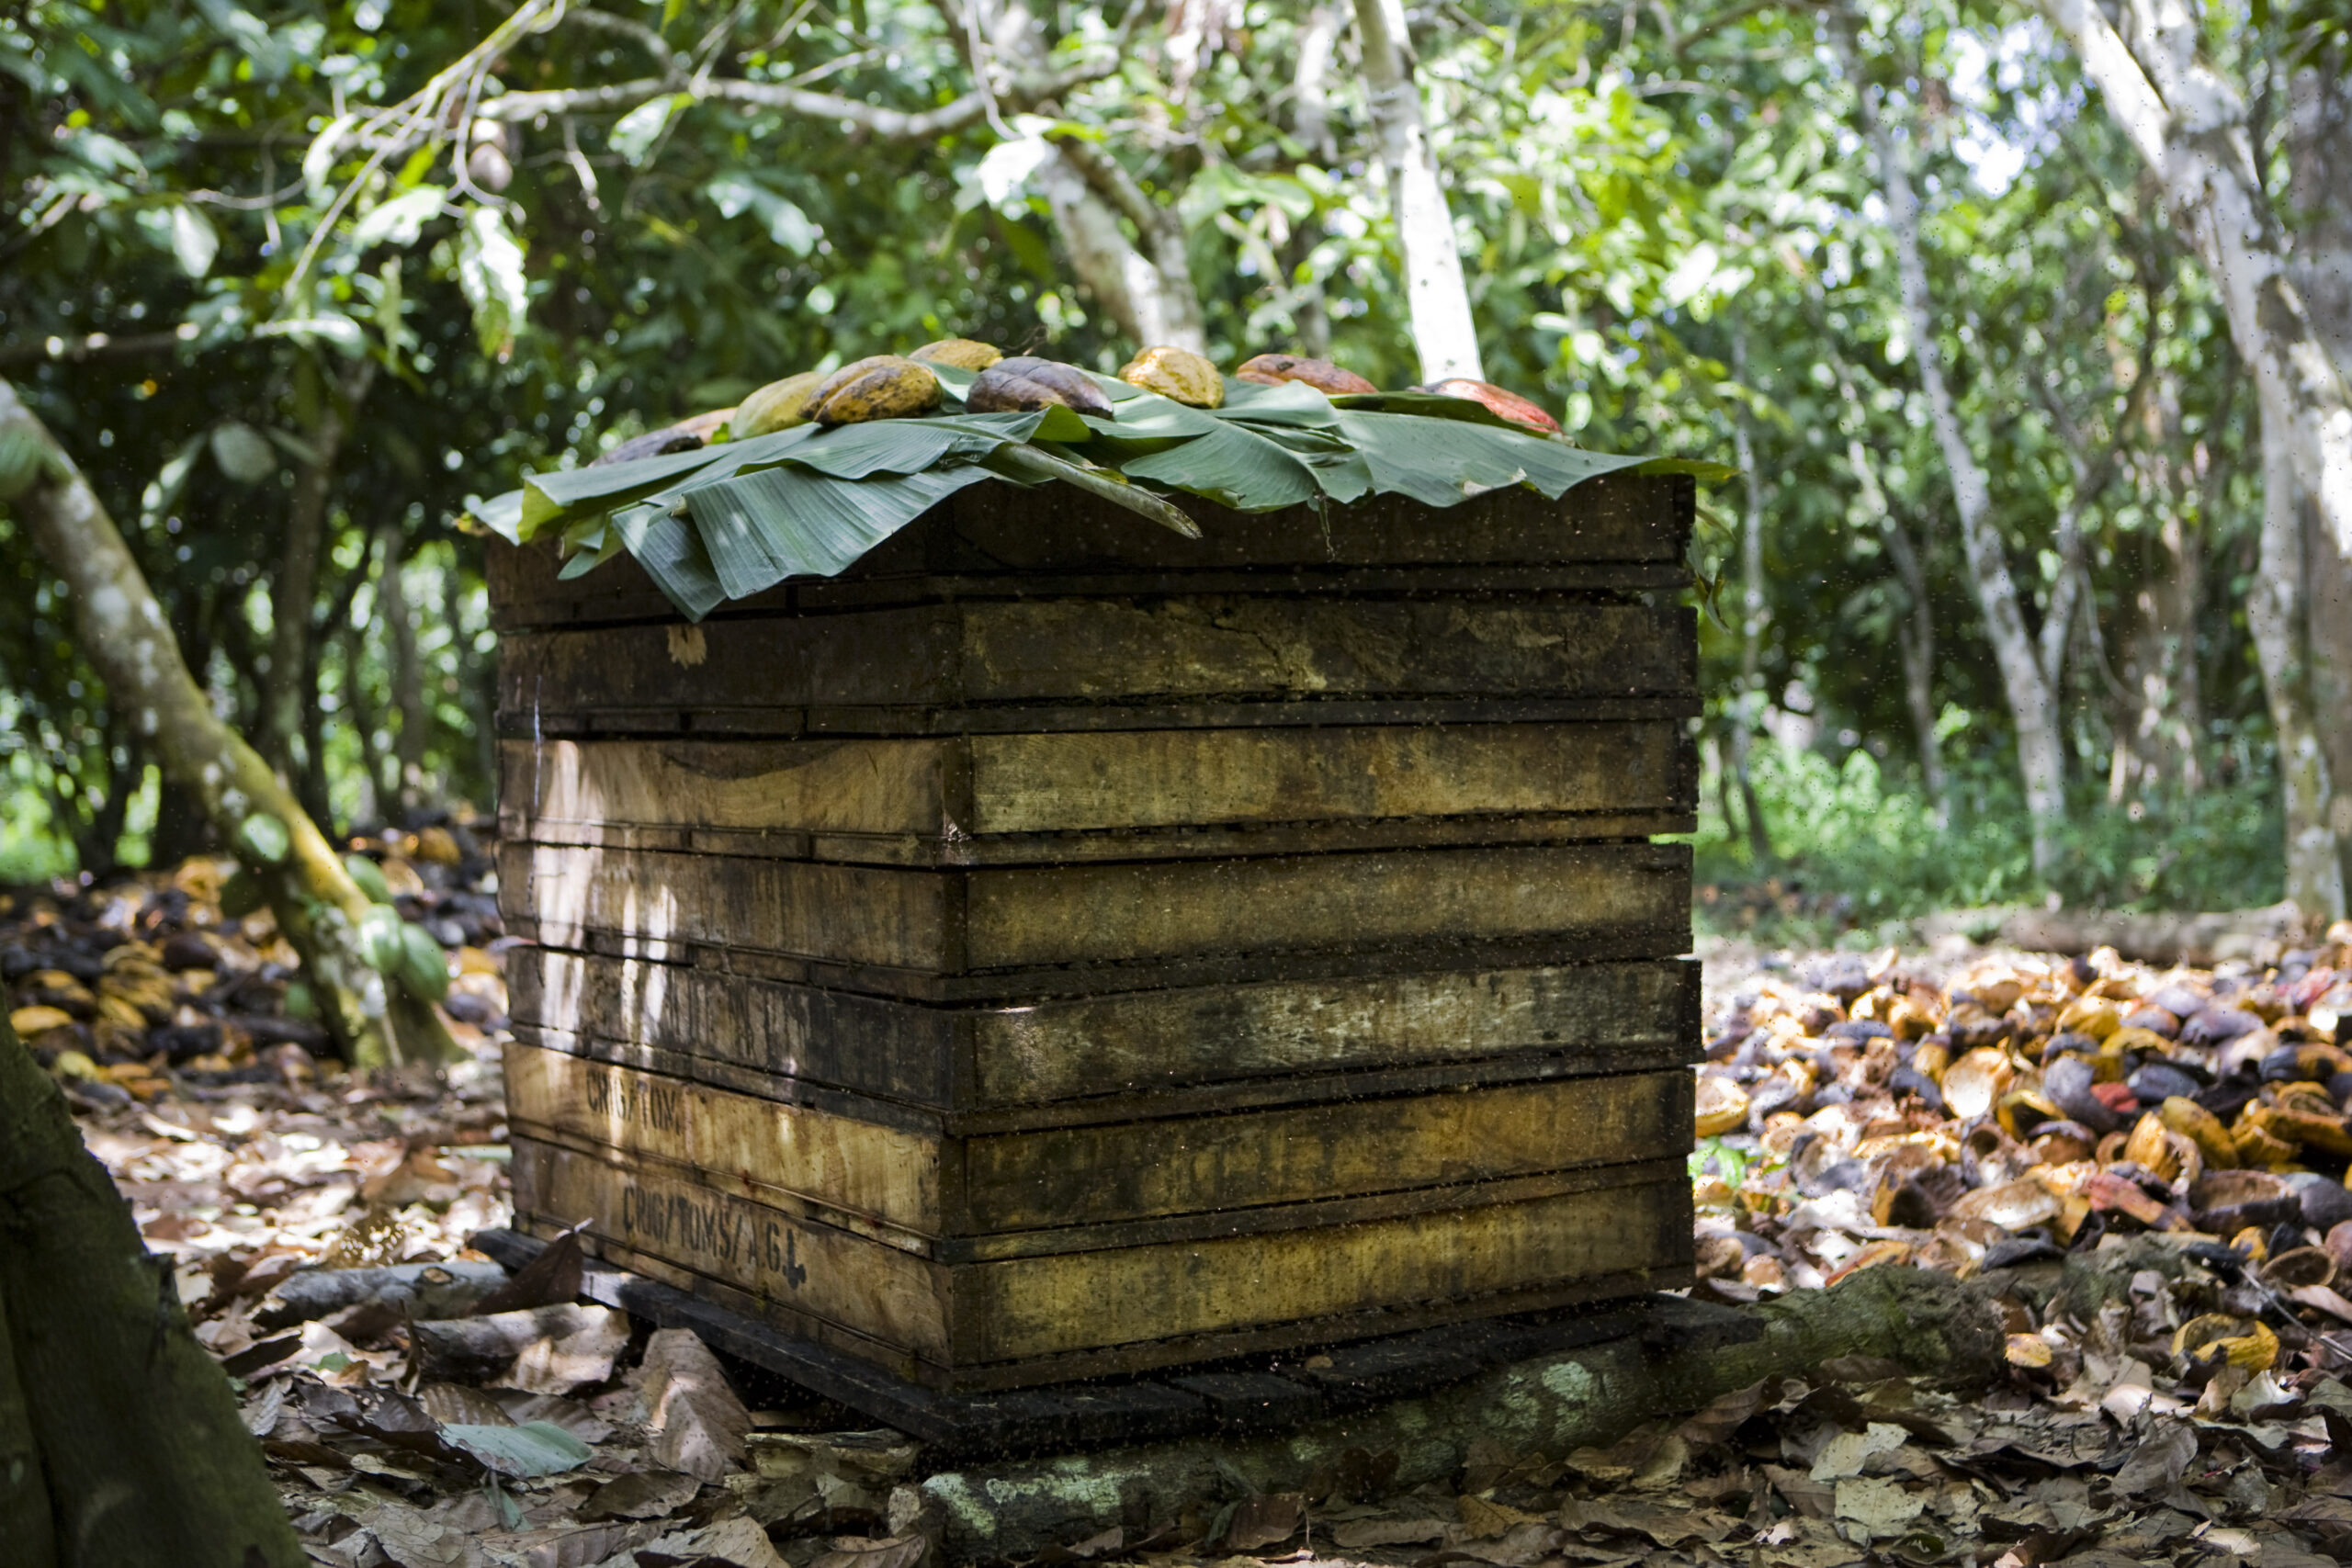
column 885, row 386
column 963, row 353
column 779, row 405
column 1177, row 373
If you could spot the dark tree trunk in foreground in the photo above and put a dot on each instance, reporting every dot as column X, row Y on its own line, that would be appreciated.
column 120, row 1446
column 125, row 637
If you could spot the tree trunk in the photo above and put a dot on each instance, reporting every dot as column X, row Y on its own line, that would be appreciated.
column 1444, row 331
column 2274, row 613
column 1930, row 1324
column 293, row 670
column 408, row 671
column 1751, row 634
column 2042, row 758
column 2319, row 152
column 1145, row 284
column 123, row 634
column 1310, row 101
column 376, row 785
column 1914, row 635
column 2188, row 123
column 181, row 827
column 2160, row 713
column 120, row 1440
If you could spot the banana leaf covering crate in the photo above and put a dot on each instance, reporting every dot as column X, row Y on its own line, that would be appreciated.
column 1054, row 948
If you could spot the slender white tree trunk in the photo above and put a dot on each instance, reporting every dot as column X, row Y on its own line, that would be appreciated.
column 2274, row 613
column 1145, row 284
column 1444, row 331
column 2319, row 151
column 2188, row 122
column 1151, row 296
column 2042, row 758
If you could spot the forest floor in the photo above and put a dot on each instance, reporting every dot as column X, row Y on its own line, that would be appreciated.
column 2141, row 1167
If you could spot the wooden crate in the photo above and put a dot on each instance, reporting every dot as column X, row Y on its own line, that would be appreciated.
column 1055, row 948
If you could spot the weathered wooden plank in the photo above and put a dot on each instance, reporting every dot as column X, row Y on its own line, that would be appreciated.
column 880, row 1301
column 1040, row 784
column 1615, row 518
column 968, row 921
column 1068, row 541
column 1194, row 1100
column 1110, row 652
column 1304, row 1037
column 1040, row 1306
column 1146, row 843
column 1054, row 1177
column 830, row 798
column 1093, row 1175
column 872, row 1170
column 1036, row 1318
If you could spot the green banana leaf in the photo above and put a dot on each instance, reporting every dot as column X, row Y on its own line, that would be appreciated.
column 730, row 519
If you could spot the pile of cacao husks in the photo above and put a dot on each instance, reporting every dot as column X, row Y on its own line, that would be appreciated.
column 2000, row 1111
column 182, row 1035
column 2137, row 1165
column 146, row 983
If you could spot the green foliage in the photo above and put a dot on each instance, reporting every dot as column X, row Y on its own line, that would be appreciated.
column 1666, row 215
column 1856, row 847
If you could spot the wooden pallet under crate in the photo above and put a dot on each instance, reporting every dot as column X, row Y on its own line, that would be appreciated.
column 1048, row 951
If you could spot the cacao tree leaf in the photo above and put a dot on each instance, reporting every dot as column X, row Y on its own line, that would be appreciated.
column 23, row 457
column 264, row 838
column 370, row 878
column 242, row 452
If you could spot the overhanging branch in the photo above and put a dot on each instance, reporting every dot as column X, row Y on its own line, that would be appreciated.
column 893, row 124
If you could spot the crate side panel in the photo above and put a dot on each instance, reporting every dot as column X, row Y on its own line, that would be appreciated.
column 1157, row 1040
column 823, row 1281
column 1021, row 917
column 1206, row 1164
column 1126, row 779
column 1130, row 1043
column 883, row 1173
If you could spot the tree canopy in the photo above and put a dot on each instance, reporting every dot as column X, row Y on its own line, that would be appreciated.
column 299, row 287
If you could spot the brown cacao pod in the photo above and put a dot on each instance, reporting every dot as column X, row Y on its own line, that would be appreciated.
column 779, row 405
column 1273, row 369
column 883, row 386
column 1022, row 383
column 1177, row 373
column 1509, row 405
column 652, row 443
column 963, row 353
